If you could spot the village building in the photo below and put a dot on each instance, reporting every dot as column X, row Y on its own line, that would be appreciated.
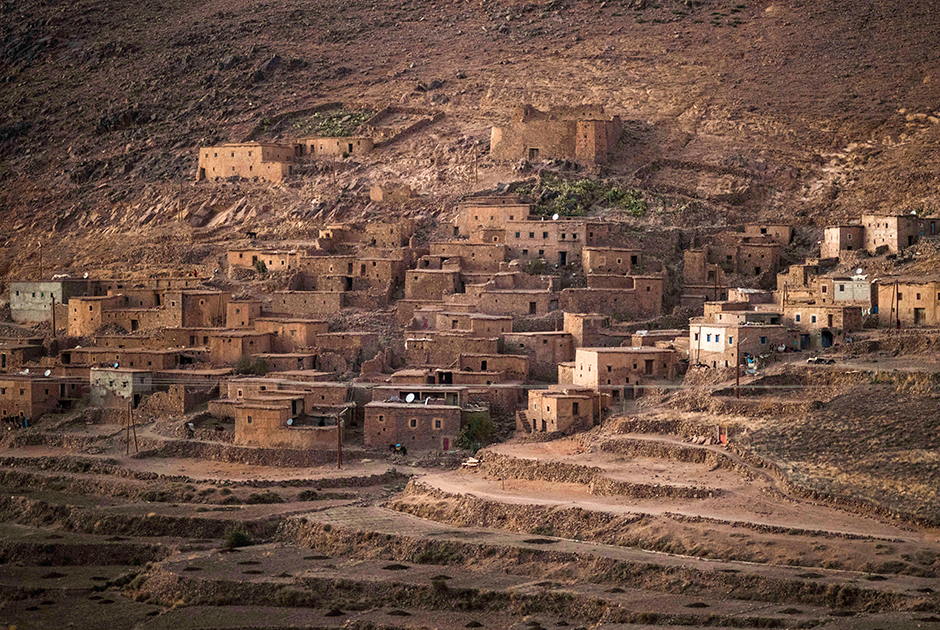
column 143, row 358
column 545, row 351
column 267, row 161
column 228, row 347
column 779, row 232
column 515, row 367
column 585, row 134
column 242, row 313
column 877, row 234
column 910, row 300
column 623, row 297
column 278, row 423
column 434, row 348
column 118, row 387
column 560, row 408
column 26, row 397
column 618, row 371
column 342, row 146
column 289, row 334
column 17, row 352
column 720, row 345
column 432, row 426
column 273, row 260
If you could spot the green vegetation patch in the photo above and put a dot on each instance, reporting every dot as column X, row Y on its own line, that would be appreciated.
column 576, row 197
column 331, row 124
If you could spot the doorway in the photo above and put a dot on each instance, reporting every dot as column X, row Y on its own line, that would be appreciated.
column 533, row 154
column 446, row 443
column 562, row 258
column 826, row 338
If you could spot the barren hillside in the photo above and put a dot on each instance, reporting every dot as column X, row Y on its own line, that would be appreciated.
column 823, row 108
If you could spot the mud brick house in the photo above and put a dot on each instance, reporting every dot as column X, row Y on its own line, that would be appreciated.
column 15, row 353
column 515, row 293
column 585, row 134
column 143, row 358
column 273, row 260
column 28, row 396
column 624, row 297
column 343, row 146
column 307, row 303
column 355, row 347
column 651, row 338
column 855, row 290
column 559, row 243
column 291, row 333
column 545, row 351
column 702, row 280
column 780, row 233
column 559, row 408
column 914, row 301
column 490, row 213
column 444, row 348
column 194, row 308
column 619, row 370
column 515, row 367
column 821, row 325
column 876, row 234
column 271, row 162
column 116, row 387
column 474, row 257
column 611, row 260
column 231, row 346
column 274, row 424
column 474, row 324
column 432, row 284
column 719, row 345
column 85, row 313
column 242, row 313
column 432, row 426
column 892, row 233
column 280, row 362
column 839, row 238
column 31, row 302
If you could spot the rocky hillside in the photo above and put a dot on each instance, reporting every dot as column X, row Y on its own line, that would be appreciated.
column 817, row 109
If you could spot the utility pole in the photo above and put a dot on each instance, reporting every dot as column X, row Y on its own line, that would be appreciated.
column 40, row 262
column 53, row 315
column 737, row 366
column 339, row 443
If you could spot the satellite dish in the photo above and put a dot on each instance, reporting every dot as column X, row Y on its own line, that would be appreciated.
column 26, row 371
column 555, row 217
column 116, row 365
column 859, row 271
column 290, row 421
column 85, row 275
column 47, row 373
column 410, row 398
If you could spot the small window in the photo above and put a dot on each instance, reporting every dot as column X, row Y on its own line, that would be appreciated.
column 437, row 423
column 824, row 288
column 900, row 296
column 708, row 337
column 249, row 419
column 797, row 317
column 812, row 319
column 517, row 234
column 413, row 423
column 841, row 288
column 763, row 340
column 730, row 340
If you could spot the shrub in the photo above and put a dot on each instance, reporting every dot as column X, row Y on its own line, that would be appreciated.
column 236, row 538
column 260, row 266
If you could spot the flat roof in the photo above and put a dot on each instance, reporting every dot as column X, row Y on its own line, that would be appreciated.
column 415, row 405
column 288, row 320
column 626, row 350
column 119, row 369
